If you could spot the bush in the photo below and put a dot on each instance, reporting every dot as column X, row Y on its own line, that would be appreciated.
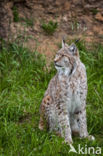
column 50, row 27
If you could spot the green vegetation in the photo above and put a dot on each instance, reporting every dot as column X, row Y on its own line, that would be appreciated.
column 75, row 25
column 15, row 14
column 94, row 11
column 23, row 81
column 50, row 27
column 28, row 22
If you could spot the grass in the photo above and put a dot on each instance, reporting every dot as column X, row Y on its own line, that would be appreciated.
column 75, row 24
column 15, row 14
column 23, row 81
column 50, row 27
column 94, row 11
column 29, row 22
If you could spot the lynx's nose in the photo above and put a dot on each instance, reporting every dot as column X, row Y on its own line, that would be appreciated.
column 55, row 61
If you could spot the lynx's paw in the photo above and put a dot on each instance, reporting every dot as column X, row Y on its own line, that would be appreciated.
column 91, row 137
column 70, row 141
column 41, row 124
column 41, row 127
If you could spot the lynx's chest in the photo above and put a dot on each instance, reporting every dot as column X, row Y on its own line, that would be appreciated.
column 73, row 90
column 73, row 100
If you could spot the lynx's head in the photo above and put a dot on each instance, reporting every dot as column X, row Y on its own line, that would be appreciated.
column 65, row 59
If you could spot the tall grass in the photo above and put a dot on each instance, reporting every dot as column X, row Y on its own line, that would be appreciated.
column 23, row 81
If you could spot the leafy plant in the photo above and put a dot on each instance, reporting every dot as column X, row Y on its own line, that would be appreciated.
column 15, row 14
column 50, row 27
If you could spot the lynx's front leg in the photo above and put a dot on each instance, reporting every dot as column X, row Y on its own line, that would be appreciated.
column 81, row 117
column 82, row 124
column 64, row 126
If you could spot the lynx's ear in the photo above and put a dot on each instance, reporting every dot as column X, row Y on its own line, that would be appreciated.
column 63, row 43
column 73, row 49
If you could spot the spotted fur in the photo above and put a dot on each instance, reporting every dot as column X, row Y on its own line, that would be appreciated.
column 63, row 107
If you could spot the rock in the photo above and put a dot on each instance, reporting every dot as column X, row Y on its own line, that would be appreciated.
column 65, row 18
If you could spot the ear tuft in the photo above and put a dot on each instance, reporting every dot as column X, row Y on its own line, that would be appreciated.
column 77, row 40
column 63, row 43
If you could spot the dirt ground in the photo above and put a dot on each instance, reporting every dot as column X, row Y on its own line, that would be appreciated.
column 76, row 19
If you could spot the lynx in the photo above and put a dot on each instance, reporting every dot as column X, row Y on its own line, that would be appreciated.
column 63, row 108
